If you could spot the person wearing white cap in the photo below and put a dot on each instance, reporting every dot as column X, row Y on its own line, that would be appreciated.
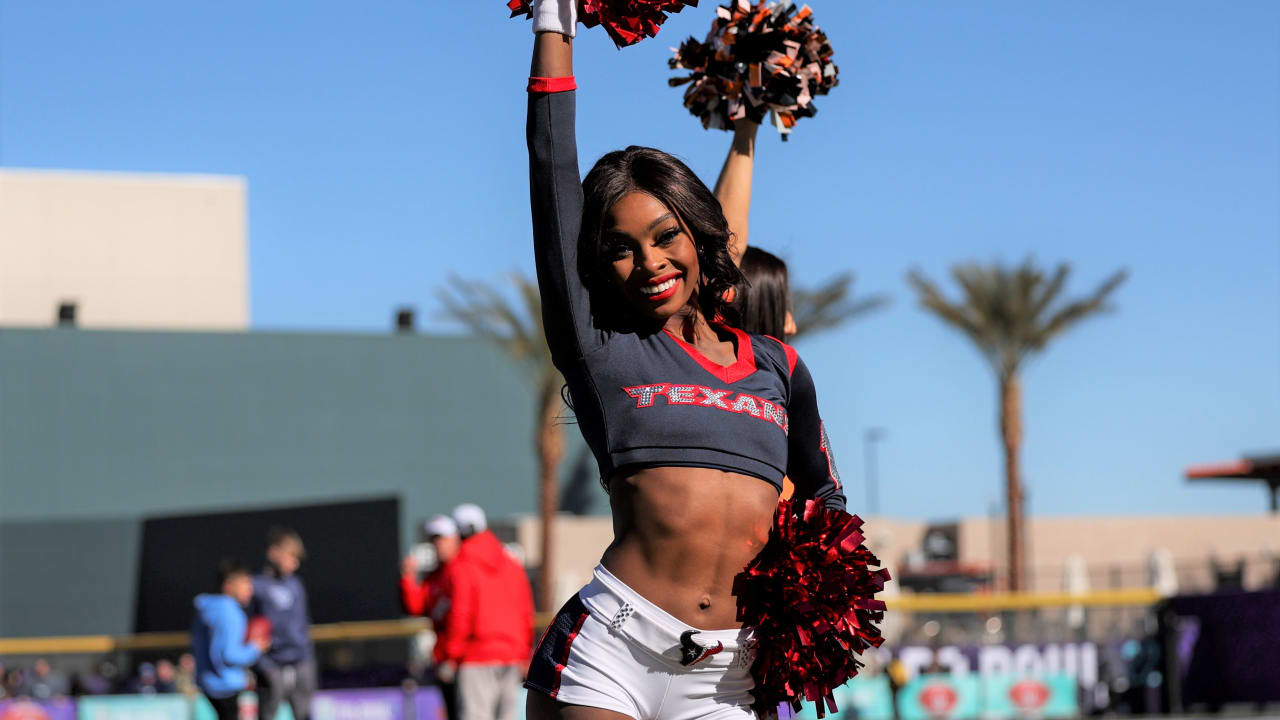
column 470, row 519
column 490, row 621
column 420, row 598
column 430, row 595
column 437, row 527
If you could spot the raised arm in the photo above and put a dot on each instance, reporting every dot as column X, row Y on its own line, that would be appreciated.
column 555, row 186
column 552, row 51
column 733, row 187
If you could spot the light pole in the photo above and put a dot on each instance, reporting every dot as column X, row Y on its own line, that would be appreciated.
column 869, row 439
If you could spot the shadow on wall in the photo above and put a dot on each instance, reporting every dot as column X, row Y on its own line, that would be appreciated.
column 68, row 577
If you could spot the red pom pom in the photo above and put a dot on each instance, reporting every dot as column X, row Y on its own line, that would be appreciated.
column 258, row 629
column 630, row 21
column 810, row 595
column 627, row 21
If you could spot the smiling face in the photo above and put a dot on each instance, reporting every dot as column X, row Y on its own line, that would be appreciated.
column 650, row 256
column 647, row 221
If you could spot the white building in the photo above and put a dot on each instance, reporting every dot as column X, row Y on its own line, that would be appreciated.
column 127, row 250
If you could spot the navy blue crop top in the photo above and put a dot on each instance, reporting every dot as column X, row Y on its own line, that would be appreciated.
column 653, row 400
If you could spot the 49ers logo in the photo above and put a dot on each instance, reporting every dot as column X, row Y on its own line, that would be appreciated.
column 698, row 395
column 938, row 699
column 1029, row 695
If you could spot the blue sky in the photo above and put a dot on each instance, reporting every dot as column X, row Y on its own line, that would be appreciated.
column 383, row 147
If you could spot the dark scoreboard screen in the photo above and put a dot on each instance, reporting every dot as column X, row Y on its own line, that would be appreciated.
column 350, row 571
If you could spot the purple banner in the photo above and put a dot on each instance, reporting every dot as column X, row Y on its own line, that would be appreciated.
column 428, row 704
column 1223, row 642
column 378, row 704
column 37, row 710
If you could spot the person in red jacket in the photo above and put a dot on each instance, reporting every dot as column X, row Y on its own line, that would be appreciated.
column 490, row 634
column 430, row 596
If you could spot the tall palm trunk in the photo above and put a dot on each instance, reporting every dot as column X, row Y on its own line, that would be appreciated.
column 1012, row 314
column 1011, row 437
column 550, row 448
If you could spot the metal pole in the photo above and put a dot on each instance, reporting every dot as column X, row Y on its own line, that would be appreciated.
column 869, row 440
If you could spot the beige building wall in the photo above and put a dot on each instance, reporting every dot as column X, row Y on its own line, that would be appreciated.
column 1115, row 549
column 580, row 541
column 131, row 250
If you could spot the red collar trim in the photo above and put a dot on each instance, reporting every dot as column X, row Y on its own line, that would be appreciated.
column 745, row 364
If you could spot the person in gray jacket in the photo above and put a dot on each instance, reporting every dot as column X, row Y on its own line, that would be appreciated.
column 288, row 669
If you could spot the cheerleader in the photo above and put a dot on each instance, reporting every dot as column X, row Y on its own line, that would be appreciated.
column 693, row 422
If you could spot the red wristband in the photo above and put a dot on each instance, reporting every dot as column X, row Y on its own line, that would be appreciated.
column 552, row 85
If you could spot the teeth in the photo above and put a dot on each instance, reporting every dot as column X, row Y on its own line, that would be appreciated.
column 656, row 289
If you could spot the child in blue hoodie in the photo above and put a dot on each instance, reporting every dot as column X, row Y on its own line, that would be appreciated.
column 218, row 640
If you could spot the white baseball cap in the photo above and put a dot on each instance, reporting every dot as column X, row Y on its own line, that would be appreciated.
column 470, row 519
column 438, row 526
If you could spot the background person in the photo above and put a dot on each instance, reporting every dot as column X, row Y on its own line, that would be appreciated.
column 490, row 622
column 166, row 676
column 185, row 677
column 218, row 641
column 429, row 596
column 101, row 679
column 13, row 683
column 288, row 669
column 45, row 683
column 763, row 302
column 144, row 682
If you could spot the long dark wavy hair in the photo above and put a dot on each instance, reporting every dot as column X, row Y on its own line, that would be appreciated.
column 673, row 184
column 763, row 302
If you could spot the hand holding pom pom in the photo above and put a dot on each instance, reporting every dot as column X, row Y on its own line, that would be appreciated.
column 766, row 59
column 810, row 595
column 627, row 21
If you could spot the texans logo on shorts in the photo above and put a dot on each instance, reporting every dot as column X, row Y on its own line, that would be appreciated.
column 692, row 653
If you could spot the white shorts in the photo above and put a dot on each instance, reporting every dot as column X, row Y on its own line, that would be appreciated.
column 610, row 648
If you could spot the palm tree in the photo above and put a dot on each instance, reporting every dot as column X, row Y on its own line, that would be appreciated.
column 1011, row 313
column 828, row 306
column 517, row 329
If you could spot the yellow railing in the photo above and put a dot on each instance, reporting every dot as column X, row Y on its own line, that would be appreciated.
column 390, row 629
column 982, row 602
column 334, row 632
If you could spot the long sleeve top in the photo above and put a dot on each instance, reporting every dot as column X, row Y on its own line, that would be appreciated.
column 649, row 399
column 283, row 601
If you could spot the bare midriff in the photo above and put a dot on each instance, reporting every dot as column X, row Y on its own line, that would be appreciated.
column 682, row 534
